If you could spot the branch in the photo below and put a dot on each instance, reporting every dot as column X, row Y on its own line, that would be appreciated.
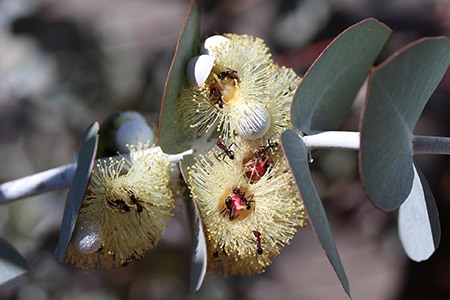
column 340, row 140
column 348, row 140
column 431, row 145
column 38, row 183
column 53, row 179
column 61, row 177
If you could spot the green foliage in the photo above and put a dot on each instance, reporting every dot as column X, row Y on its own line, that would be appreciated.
column 297, row 156
column 325, row 95
column 86, row 156
column 12, row 264
column 398, row 91
column 172, row 137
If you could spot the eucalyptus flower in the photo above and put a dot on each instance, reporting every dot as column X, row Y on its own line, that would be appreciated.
column 126, row 207
column 246, row 222
column 242, row 92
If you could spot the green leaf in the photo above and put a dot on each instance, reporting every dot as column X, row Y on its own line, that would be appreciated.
column 199, row 258
column 326, row 92
column 12, row 264
column 418, row 220
column 399, row 88
column 172, row 137
column 297, row 156
column 77, row 190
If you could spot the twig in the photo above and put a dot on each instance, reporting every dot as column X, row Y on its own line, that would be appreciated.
column 431, row 145
column 349, row 140
column 53, row 179
column 341, row 140
column 57, row 178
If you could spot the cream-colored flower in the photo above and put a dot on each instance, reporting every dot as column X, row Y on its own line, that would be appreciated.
column 279, row 106
column 246, row 221
column 129, row 203
column 243, row 83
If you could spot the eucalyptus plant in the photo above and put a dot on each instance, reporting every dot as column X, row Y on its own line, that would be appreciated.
column 229, row 90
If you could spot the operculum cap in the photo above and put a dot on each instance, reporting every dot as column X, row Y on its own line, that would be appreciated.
column 199, row 68
column 253, row 122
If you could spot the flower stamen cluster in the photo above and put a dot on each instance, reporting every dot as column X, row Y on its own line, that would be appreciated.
column 126, row 207
column 233, row 206
column 238, row 90
column 243, row 189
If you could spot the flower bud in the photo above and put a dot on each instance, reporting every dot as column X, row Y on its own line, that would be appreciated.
column 253, row 122
column 131, row 115
column 133, row 133
column 86, row 240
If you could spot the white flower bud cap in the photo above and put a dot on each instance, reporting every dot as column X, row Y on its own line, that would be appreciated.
column 253, row 122
column 86, row 240
column 133, row 133
column 199, row 68
column 214, row 42
column 130, row 115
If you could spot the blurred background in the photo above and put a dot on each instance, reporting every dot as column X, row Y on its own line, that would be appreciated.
column 65, row 64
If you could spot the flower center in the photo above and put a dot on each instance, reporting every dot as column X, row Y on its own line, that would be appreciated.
column 255, row 168
column 256, row 164
column 236, row 203
column 224, row 87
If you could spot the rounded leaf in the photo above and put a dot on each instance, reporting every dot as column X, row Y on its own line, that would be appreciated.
column 399, row 88
column 326, row 92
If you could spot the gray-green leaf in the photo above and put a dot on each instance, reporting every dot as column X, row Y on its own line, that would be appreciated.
column 324, row 97
column 398, row 91
column 199, row 257
column 172, row 137
column 12, row 264
column 297, row 156
column 77, row 190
